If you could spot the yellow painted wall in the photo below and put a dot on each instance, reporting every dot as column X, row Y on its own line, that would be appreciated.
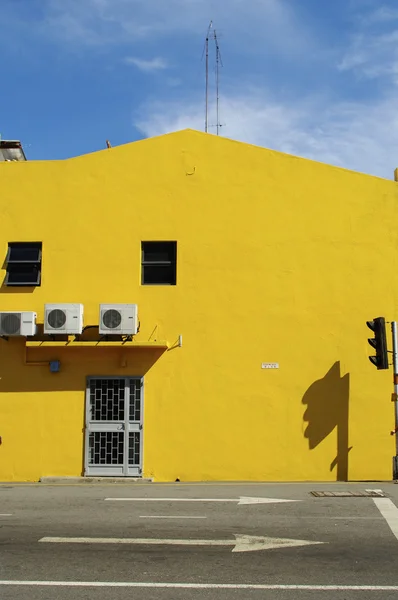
column 280, row 259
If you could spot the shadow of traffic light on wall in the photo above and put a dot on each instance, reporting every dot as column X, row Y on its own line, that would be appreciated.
column 327, row 408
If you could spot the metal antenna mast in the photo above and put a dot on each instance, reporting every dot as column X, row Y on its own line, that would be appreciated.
column 207, row 77
column 212, row 35
column 218, row 64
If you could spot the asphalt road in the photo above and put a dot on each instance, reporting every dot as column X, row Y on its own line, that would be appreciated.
column 180, row 549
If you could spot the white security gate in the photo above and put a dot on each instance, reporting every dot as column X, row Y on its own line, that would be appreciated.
column 113, row 444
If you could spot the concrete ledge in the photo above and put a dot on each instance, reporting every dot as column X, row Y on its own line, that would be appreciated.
column 101, row 480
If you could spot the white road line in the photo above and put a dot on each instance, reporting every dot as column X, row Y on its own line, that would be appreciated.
column 205, row 586
column 347, row 518
column 389, row 512
column 167, row 517
column 6, row 515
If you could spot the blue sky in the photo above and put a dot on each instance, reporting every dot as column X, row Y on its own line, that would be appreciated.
column 315, row 78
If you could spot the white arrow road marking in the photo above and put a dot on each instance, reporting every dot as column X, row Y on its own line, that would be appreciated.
column 241, row 500
column 251, row 543
column 242, row 543
column 389, row 512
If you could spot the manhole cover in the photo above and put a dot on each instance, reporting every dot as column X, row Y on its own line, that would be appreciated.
column 345, row 494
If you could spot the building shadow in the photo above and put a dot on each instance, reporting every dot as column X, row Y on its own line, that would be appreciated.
column 22, row 371
column 327, row 402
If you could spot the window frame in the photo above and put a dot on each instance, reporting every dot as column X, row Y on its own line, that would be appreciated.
column 13, row 265
column 171, row 263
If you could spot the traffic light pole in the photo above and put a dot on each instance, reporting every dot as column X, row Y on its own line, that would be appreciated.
column 394, row 330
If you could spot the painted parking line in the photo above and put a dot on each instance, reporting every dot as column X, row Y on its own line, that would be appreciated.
column 204, row 586
column 390, row 512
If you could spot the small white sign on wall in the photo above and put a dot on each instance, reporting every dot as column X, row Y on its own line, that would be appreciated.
column 270, row 365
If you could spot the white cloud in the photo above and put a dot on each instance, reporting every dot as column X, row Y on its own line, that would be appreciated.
column 355, row 136
column 372, row 56
column 263, row 24
column 373, row 51
column 380, row 15
column 147, row 65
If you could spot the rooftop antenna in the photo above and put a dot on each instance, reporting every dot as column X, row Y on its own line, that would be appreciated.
column 212, row 35
column 207, row 77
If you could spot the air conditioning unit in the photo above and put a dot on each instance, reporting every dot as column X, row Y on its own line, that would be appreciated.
column 63, row 318
column 118, row 319
column 17, row 323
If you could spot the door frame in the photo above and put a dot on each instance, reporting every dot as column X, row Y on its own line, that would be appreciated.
column 89, row 378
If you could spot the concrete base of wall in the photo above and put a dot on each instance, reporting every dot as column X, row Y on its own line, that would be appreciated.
column 101, row 480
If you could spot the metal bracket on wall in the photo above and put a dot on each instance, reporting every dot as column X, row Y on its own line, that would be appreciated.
column 177, row 344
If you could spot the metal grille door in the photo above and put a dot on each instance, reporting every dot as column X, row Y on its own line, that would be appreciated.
column 113, row 426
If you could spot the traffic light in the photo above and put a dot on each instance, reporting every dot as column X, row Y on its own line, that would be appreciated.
column 379, row 342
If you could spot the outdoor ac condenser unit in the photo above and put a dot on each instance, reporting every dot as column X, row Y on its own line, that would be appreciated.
column 118, row 319
column 63, row 318
column 17, row 323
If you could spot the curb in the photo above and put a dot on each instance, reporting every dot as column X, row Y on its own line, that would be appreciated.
column 100, row 480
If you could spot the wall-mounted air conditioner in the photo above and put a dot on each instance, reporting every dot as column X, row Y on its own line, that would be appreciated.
column 63, row 318
column 17, row 323
column 118, row 319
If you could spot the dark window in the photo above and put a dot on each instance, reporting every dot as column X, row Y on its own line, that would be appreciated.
column 23, row 264
column 159, row 263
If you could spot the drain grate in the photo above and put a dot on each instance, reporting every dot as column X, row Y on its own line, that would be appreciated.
column 346, row 494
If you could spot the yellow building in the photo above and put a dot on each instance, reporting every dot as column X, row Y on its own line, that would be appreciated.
column 238, row 259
